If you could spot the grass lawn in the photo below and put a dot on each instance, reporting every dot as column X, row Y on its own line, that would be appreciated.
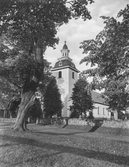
column 45, row 149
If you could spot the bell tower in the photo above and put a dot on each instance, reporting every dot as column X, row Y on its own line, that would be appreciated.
column 66, row 75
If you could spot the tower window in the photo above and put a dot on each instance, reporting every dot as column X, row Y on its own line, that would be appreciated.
column 108, row 112
column 60, row 74
column 73, row 75
column 98, row 111
column 103, row 112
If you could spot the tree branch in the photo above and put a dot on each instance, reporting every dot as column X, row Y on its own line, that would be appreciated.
column 12, row 82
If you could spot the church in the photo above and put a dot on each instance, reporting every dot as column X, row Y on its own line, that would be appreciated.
column 66, row 75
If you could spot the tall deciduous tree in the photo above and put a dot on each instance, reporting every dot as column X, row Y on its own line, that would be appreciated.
column 108, row 53
column 116, row 94
column 52, row 100
column 81, row 98
column 27, row 27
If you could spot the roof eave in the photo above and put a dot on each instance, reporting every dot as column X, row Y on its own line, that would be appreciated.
column 59, row 68
column 100, row 103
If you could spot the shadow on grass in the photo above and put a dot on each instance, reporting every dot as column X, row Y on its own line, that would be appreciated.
column 94, row 128
column 117, row 159
column 60, row 134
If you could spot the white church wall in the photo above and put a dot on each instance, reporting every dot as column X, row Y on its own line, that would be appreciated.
column 63, row 85
column 101, row 111
column 72, row 81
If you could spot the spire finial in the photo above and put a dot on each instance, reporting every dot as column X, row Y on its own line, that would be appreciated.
column 65, row 46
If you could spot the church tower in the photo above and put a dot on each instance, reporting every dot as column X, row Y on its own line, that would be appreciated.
column 66, row 75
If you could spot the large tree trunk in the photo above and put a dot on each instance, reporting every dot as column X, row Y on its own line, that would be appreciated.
column 28, row 92
column 27, row 101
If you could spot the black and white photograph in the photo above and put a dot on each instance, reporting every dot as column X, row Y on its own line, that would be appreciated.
column 64, row 83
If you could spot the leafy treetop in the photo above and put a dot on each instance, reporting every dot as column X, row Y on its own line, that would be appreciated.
column 108, row 53
column 81, row 97
column 27, row 21
column 26, row 24
column 109, row 50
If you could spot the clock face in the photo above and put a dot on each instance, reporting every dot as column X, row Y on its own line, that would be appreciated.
column 60, row 63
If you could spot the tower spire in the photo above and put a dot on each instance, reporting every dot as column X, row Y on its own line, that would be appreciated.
column 65, row 51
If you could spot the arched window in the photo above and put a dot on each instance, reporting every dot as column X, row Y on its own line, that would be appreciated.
column 98, row 111
column 60, row 74
column 103, row 112
column 73, row 75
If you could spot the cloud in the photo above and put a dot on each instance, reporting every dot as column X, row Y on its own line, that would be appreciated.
column 76, row 58
column 107, row 8
column 79, row 30
column 104, row 11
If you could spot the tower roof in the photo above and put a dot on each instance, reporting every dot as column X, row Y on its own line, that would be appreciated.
column 65, row 61
column 65, row 46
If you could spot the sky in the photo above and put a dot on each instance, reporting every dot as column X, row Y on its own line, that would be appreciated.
column 77, row 31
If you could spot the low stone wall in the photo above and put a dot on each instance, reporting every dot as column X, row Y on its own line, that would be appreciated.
column 75, row 121
column 7, row 119
column 106, row 123
column 116, row 124
column 53, row 121
column 81, row 122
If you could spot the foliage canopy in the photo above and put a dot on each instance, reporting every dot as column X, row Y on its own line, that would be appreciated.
column 108, row 53
column 27, row 28
column 24, row 25
column 52, row 100
column 81, row 98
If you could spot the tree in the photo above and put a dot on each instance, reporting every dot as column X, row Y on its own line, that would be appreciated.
column 81, row 98
column 27, row 28
column 45, row 78
column 34, row 112
column 108, row 53
column 116, row 95
column 6, row 91
column 12, row 107
column 52, row 100
column 44, row 81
